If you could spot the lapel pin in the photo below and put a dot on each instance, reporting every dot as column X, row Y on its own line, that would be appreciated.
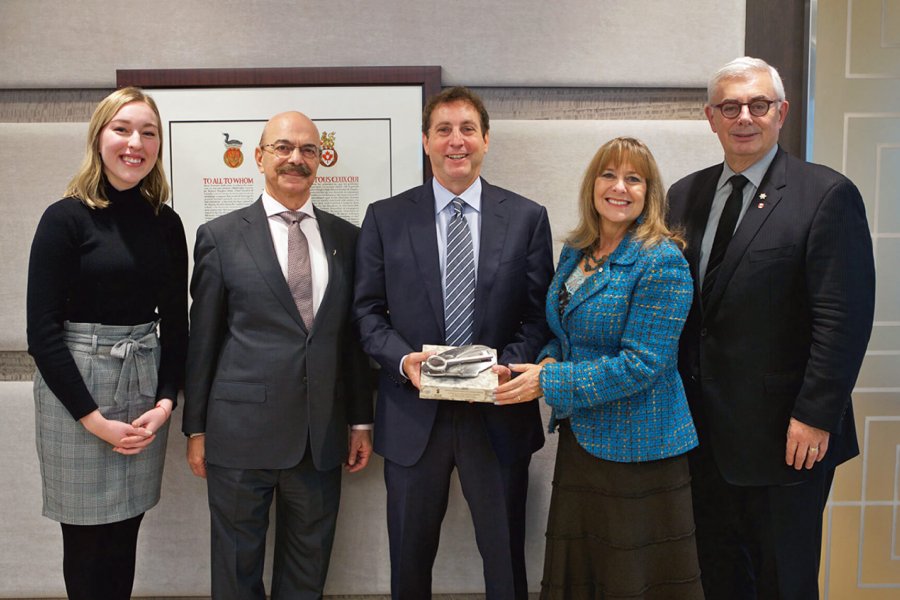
column 762, row 197
column 334, row 252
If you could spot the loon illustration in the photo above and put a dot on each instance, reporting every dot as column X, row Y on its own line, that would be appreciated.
column 232, row 143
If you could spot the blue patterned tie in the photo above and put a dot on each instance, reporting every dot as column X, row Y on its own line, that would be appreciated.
column 460, row 294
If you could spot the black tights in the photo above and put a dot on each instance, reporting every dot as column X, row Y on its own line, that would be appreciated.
column 98, row 560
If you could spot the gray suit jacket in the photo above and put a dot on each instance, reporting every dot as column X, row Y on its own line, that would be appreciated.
column 258, row 383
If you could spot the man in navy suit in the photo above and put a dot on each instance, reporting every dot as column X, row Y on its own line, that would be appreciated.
column 277, row 394
column 400, row 296
column 781, row 256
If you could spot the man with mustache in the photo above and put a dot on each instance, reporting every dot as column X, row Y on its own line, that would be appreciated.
column 278, row 393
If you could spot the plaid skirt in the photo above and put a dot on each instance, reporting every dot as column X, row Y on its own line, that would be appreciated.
column 619, row 530
column 84, row 481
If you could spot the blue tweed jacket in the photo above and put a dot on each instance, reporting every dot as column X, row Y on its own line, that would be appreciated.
column 616, row 378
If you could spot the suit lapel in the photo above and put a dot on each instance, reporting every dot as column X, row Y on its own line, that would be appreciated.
column 494, row 223
column 424, row 244
column 258, row 239
column 624, row 254
column 771, row 189
column 334, row 257
column 695, row 223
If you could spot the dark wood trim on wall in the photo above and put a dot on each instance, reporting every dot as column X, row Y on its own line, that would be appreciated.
column 777, row 31
column 429, row 77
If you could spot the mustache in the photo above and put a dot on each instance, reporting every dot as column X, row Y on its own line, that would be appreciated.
column 299, row 169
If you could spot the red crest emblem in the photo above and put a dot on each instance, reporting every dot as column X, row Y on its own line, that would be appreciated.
column 329, row 156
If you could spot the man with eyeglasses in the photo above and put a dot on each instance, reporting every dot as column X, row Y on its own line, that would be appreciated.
column 277, row 394
column 781, row 255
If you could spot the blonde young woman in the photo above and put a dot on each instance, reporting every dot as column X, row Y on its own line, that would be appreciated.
column 107, row 327
column 620, row 523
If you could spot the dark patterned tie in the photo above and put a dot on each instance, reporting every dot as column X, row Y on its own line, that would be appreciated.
column 727, row 223
column 460, row 295
column 299, row 271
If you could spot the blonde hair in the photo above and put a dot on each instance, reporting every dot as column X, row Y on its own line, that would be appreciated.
column 650, row 227
column 88, row 184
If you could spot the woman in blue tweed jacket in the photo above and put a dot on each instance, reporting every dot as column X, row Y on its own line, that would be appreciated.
column 620, row 523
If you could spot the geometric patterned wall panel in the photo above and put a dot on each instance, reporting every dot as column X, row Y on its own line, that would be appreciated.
column 856, row 130
column 873, row 28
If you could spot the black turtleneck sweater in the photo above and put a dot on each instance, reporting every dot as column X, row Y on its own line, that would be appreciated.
column 120, row 265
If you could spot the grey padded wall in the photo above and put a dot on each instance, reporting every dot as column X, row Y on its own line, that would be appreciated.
column 47, row 43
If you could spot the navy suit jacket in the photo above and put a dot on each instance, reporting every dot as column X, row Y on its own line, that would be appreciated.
column 788, row 319
column 259, row 383
column 399, row 307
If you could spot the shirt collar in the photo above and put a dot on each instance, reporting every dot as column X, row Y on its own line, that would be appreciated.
column 273, row 206
column 754, row 173
column 443, row 196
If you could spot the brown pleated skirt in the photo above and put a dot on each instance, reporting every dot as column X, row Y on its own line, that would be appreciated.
column 619, row 530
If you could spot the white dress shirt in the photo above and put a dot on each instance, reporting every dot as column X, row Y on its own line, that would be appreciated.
column 318, row 262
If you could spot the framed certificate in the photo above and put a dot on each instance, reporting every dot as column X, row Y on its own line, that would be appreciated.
column 369, row 119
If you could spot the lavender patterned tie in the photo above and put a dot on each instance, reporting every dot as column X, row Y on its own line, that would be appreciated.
column 299, row 272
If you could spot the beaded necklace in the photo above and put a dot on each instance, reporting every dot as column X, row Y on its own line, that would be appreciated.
column 591, row 263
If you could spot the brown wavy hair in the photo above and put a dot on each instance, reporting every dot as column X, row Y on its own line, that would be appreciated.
column 650, row 227
column 89, row 183
column 456, row 94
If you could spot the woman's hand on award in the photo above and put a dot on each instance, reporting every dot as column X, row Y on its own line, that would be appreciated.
column 523, row 388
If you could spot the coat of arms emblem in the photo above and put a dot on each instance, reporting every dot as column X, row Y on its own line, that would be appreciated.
column 329, row 156
column 233, row 156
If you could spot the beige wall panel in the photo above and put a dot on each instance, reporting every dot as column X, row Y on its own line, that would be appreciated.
column 887, row 190
column 36, row 163
column 879, row 445
column 857, row 131
column 860, row 544
column 848, row 483
column 46, row 43
column 887, row 288
column 881, row 369
column 840, row 569
column 890, row 28
column 866, row 137
column 545, row 160
column 885, row 338
column 878, row 558
column 873, row 34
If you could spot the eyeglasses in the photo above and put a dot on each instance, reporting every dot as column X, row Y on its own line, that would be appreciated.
column 730, row 109
column 309, row 151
